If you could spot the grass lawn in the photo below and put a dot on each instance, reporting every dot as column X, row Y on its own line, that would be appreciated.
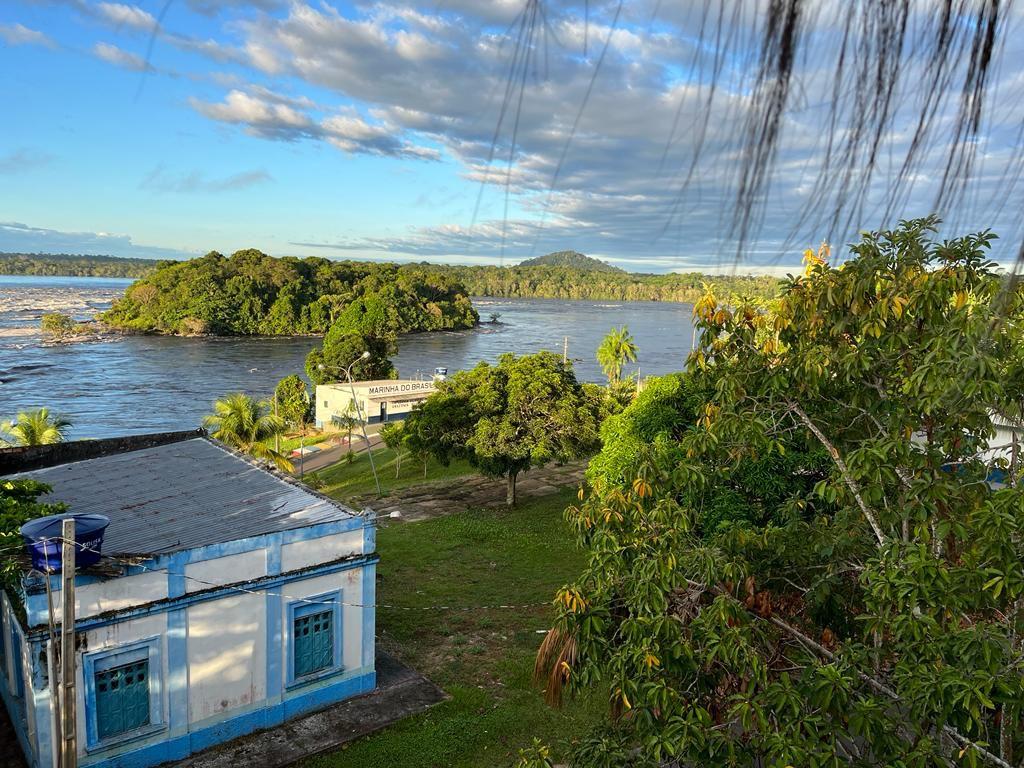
column 344, row 480
column 482, row 658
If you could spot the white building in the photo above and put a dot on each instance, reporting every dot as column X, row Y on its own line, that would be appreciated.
column 375, row 401
column 229, row 599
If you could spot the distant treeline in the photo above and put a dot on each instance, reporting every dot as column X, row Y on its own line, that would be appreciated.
column 75, row 265
column 567, row 283
column 251, row 293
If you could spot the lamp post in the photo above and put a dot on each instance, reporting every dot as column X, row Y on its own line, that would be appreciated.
column 359, row 414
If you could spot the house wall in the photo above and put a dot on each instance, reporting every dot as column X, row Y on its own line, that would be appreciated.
column 333, row 399
column 222, row 653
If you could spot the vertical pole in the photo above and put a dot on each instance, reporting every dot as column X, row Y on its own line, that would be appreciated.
column 277, row 435
column 362, row 423
column 565, row 350
column 69, row 732
column 302, row 451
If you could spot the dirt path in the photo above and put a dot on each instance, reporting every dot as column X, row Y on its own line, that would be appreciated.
column 442, row 497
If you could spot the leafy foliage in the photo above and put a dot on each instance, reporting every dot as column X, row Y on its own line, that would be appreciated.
column 616, row 349
column 571, row 260
column 74, row 265
column 344, row 346
column 809, row 568
column 18, row 504
column 252, row 293
column 247, row 425
column 293, row 403
column 57, row 325
column 504, row 418
column 38, row 427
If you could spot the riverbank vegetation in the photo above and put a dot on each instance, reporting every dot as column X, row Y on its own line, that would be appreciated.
column 74, row 265
column 803, row 551
column 250, row 293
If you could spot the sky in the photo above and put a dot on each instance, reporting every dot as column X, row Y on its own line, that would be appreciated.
column 392, row 130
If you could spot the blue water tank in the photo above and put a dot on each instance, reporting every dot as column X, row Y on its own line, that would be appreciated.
column 43, row 538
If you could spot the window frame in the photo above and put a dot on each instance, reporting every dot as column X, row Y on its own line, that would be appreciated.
column 104, row 659
column 316, row 604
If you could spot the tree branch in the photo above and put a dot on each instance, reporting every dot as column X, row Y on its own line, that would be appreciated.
column 851, row 484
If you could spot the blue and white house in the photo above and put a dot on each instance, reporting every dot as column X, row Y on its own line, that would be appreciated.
column 229, row 599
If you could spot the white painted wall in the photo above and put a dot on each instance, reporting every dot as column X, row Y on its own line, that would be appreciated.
column 304, row 554
column 230, row 569
column 227, row 655
column 116, row 594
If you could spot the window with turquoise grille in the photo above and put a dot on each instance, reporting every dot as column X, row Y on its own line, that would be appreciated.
column 313, row 641
column 122, row 698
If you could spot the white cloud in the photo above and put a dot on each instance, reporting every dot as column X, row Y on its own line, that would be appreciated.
column 127, row 15
column 19, row 34
column 160, row 180
column 21, row 238
column 120, row 58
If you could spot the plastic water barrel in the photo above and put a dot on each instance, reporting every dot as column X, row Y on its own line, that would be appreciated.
column 43, row 539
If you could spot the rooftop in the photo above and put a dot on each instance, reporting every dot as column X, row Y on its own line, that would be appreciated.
column 187, row 494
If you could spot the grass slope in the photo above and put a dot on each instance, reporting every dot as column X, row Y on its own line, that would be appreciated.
column 482, row 658
column 344, row 481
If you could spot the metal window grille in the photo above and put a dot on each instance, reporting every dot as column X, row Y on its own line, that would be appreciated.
column 122, row 698
column 313, row 642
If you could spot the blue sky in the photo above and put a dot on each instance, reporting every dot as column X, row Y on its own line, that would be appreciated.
column 363, row 131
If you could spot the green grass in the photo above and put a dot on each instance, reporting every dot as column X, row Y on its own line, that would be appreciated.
column 344, row 480
column 482, row 658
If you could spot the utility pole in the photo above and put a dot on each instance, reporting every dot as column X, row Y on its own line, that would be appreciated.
column 68, row 729
column 277, row 435
column 565, row 350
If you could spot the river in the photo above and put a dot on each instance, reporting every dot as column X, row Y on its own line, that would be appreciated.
column 133, row 384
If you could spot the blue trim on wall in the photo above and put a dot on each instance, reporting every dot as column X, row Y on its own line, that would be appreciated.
column 216, row 593
column 149, row 649
column 177, row 670
column 275, row 646
column 229, row 728
column 369, row 576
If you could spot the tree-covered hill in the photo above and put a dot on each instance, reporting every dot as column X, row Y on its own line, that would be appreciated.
column 251, row 293
column 74, row 265
column 570, row 260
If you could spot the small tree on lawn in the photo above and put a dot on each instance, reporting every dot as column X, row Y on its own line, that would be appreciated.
column 812, row 568
column 393, row 435
column 505, row 418
column 292, row 401
column 348, row 420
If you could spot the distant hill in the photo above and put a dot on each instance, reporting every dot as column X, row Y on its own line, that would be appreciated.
column 74, row 265
column 570, row 260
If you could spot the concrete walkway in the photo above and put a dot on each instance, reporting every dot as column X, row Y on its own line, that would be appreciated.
column 400, row 693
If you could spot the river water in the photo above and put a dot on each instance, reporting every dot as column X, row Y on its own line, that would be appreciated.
column 134, row 384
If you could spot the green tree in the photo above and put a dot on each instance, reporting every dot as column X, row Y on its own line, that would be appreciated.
column 248, row 425
column 867, row 607
column 393, row 435
column 616, row 349
column 292, row 401
column 38, row 427
column 505, row 418
column 341, row 347
column 19, row 503
column 348, row 420
column 57, row 324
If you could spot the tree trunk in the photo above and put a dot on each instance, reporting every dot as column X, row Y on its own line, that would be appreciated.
column 398, row 463
column 425, row 467
column 510, row 489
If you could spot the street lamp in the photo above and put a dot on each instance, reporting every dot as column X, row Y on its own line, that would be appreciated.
column 359, row 413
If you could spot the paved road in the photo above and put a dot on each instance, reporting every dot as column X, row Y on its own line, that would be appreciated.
column 328, row 456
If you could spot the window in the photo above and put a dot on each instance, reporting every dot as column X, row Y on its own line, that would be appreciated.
column 314, row 642
column 122, row 699
column 315, row 638
column 122, row 693
column 326, row 404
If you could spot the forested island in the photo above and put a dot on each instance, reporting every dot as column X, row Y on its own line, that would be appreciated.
column 74, row 265
column 251, row 293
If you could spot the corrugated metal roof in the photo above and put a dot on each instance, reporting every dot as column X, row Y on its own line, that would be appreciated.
column 187, row 494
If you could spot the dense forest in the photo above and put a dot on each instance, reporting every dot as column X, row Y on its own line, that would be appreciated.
column 548, row 282
column 560, row 275
column 250, row 293
column 74, row 265
column 570, row 260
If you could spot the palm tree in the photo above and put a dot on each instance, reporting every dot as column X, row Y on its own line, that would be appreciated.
column 37, row 427
column 248, row 425
column 615, row 351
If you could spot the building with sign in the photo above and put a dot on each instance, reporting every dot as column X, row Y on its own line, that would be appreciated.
column 375, row 401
